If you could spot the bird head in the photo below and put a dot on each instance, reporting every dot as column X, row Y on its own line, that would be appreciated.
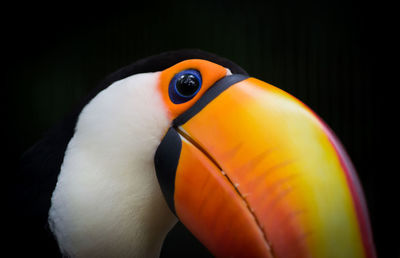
column 249, row 169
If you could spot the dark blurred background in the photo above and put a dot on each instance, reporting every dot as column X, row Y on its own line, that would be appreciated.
column 326, row 53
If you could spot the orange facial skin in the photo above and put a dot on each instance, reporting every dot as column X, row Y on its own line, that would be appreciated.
column 260, row 175
column 210, row 74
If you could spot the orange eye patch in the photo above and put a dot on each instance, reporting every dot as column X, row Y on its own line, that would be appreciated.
column 210, row 73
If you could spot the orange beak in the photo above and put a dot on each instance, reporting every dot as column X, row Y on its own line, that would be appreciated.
column 255, row 173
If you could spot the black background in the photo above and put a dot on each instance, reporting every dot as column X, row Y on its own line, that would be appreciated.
column 332, row 55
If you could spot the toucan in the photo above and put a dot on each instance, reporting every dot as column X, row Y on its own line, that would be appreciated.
column 189, row 136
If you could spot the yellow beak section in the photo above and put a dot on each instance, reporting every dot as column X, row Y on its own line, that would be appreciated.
column 260, row 175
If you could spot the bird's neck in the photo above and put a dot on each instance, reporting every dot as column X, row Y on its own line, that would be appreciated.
column 107, row 202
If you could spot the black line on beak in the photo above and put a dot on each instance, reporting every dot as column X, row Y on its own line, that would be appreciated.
column 166, row 162
column 167, row 155
column 208, row 96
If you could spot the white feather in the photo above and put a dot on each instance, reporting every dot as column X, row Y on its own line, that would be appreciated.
column 107, row 202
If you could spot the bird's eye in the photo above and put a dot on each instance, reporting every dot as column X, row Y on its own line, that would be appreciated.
column 184, row 86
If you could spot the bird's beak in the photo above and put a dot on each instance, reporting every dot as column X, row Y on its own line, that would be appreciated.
column 255, row 173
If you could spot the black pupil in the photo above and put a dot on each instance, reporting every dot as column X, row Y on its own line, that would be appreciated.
column 187, row 84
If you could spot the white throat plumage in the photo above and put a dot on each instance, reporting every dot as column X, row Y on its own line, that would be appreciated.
column 107, row 202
